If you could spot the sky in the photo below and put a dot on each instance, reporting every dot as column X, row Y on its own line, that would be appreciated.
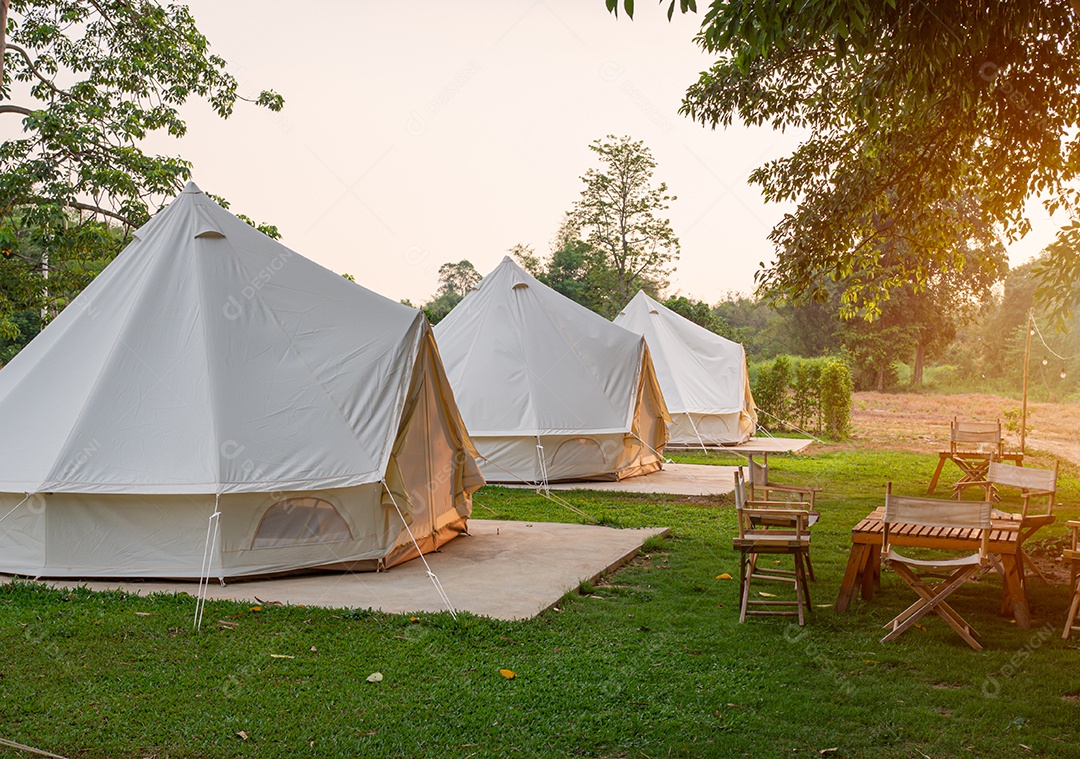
column 417, row 133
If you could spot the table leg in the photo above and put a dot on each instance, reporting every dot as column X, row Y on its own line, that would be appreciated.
column 937, row 473
column 1014, row 599
column 856, row 562
column 871, row 572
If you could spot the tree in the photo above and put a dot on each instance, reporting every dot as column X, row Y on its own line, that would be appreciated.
column 700, row 313
column 88, row 80
column 908, row 106
column 619, row 216
column 458, row 279
column 574, row 269
column 455, row 282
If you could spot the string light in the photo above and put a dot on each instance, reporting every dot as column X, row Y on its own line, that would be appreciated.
column 1045, row 361
column 1063, row 371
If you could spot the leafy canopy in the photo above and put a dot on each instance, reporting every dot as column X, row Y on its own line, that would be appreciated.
column 910, row 107
column 83, row 83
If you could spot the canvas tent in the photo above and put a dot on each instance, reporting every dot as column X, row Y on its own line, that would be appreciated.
column 211, row 370
column 702, row 374
column 549, row 390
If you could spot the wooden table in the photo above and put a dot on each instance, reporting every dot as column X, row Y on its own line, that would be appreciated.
column 1006, row 538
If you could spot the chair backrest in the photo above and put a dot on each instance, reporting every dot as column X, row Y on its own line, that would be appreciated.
column 759, row 473
column 1023, row 477
column 975, row 432
column 937, row 512
column 740, row 500
column 1032, row 483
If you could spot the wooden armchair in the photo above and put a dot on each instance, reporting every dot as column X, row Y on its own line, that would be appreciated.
column 1072, row 555
column 762, row 489
column 934, row 580
column 771, row 528
column 1038, row 485
column 972, row 446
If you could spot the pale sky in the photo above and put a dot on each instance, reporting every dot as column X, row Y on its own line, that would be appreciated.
column 416, row 133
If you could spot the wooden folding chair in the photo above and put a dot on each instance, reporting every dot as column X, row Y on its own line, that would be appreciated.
column 1039, row 485
column 934, row 580
column 1072, row 555
column 972, row 446
column 762, row 489
column 772, row 529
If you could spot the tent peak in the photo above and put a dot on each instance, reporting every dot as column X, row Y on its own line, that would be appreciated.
column 191, row 187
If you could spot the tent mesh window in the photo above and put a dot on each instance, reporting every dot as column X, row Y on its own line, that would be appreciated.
column 582, row 451
column 300, row 521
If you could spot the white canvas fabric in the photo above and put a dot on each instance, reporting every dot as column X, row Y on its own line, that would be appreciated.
column 703, row 375
column 547, row 388
column 211, row 364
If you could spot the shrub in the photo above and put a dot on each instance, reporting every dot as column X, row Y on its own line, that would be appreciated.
column 812, row 395
column 836, row 386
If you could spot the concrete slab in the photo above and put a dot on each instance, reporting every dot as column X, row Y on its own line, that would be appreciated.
column 503, row 569
column 673, row 479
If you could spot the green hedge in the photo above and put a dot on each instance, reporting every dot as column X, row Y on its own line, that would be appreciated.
column 811, row 394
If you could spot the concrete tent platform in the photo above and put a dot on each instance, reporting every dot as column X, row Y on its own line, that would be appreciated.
column 687, row 479
column 673, row 479
column 503, row 569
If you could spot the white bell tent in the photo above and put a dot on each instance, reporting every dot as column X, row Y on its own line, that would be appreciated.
column 550, row 390
column 216, row 405
column 702, row 374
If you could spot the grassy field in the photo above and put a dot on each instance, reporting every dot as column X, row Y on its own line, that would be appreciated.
column 649, row 663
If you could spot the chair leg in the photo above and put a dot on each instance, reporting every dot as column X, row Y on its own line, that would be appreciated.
column 744, row 585
column 1070, row 620
column 810, row 568
column 932, row 599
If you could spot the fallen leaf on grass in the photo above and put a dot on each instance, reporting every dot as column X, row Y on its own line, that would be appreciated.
column 724, row 576
column 869, row 661
column 243, row 734
column 281, row 656
column 228, row 625
column 270, row 603
column 414, row 619
column 824, row 606
column 255, row 608
column 921, row 628
column 509, row 674
column 143, row 614
column 763, row 594
column 827, row 751
column 313, row 650
column 375, row 677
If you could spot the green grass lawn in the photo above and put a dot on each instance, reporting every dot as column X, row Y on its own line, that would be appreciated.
column 650, row 663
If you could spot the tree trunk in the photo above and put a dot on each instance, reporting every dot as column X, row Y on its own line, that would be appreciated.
column 881, row 380
column 917, row 367
column 3, row 35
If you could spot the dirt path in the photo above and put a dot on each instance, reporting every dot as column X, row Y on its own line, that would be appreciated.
column 909, row 421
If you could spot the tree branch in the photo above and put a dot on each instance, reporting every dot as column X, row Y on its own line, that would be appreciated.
column 80, row 206
column 37, row 72
column 9, row 108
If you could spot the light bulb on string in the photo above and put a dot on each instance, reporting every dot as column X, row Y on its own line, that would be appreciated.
column 1045, row 361
column 1063, row 371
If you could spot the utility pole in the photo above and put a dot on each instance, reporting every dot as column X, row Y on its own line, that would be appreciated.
column 1027, row 359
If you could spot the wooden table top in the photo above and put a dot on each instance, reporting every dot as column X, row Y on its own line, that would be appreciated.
column 1004, row 534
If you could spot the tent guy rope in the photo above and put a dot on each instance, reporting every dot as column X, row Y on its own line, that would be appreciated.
column 431, row 575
